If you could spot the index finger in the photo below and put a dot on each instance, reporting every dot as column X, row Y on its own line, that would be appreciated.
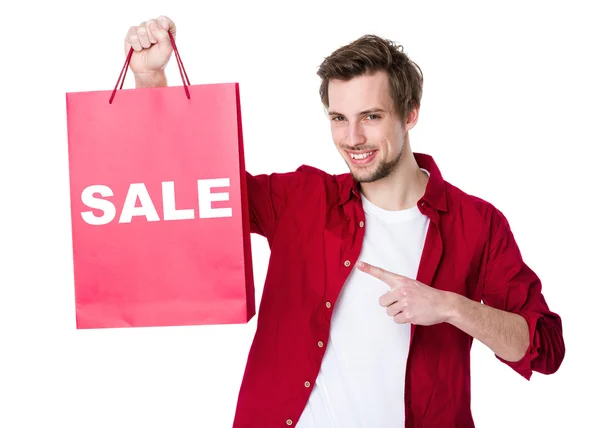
column 379, row 273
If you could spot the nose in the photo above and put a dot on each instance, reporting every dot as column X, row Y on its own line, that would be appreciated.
column 356, row 135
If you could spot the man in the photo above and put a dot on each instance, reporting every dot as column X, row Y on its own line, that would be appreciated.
column 374, row 288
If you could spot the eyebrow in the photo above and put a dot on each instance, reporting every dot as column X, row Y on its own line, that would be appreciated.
column 369, row 111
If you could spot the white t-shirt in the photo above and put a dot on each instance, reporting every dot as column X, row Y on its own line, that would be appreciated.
column 361, row 380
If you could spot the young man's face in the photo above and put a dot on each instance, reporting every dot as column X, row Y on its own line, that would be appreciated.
column 365, row 128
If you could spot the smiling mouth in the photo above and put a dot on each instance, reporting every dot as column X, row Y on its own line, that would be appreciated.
column 361, row 158
column 361, row 155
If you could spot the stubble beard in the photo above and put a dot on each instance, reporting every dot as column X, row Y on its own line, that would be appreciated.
column 383, row 170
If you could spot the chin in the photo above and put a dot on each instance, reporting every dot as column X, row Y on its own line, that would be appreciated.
column 373, row 172
column 365, row 178
column 366, row 174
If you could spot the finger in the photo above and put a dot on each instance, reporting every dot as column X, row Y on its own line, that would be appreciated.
column 143, row 35
column 150, row 26
column 396, row 308
column 132, row 41
column 164, row 41
column 167, row 24
column 401, row 318
column 377, row 272
column 389, row 298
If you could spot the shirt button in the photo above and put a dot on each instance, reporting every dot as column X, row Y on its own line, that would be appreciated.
column 328, row 304
column 347, row 263
column 289, row 422
column 320, row 344
column 307, row 384
column 361, row 224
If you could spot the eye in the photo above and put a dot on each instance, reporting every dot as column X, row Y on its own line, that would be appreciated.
column 373, row 116
column 337, row 118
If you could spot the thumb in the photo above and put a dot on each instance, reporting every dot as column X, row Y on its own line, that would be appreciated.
column 167, row 24
column 164, row 41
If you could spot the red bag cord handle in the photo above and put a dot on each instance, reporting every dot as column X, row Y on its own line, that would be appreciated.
column 182, row 72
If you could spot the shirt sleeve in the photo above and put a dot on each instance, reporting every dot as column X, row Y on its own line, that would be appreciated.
column 267, row 199
column 510, row 285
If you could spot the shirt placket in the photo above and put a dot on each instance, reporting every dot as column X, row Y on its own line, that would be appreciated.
column 355, row 220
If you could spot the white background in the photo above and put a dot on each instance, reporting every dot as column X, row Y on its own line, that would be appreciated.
column 510, row 113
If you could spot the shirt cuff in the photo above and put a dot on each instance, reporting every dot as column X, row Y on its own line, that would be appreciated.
column 523, row 366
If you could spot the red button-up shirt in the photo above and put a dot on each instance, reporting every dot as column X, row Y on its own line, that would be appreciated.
column 315, row 224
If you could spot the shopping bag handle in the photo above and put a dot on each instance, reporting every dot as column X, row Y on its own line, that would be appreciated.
column 184, row 76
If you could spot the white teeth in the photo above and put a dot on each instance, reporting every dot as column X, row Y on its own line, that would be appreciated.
column 361, row 155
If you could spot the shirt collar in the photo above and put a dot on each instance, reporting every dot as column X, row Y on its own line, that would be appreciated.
column 435, row 192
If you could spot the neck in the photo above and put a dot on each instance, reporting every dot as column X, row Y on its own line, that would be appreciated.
column 400, row 190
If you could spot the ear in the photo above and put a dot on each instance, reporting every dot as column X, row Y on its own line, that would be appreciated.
column 412, row 118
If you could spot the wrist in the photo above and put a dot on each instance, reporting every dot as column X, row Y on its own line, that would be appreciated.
column 153, row 79
column 451, row 307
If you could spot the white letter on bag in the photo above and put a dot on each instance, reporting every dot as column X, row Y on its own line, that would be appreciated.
column 170, row 212
column 205, row 198
column 87, row 197
column 138, row 190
